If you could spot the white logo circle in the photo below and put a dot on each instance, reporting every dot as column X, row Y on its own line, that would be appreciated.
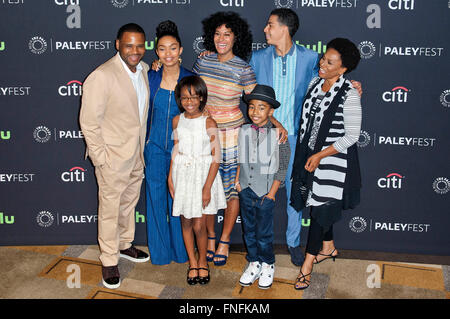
column 37, row 45
column 288, row 4
column 441, row 185
column 366, row 49
column 45, row 218
column 197, row 47
column 357, row 224
column 119, row 3
column 42, row 134
column 445, row 98
column 364, row 139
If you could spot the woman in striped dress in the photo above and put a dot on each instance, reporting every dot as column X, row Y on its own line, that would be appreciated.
column 226, row 75
column 326, row 175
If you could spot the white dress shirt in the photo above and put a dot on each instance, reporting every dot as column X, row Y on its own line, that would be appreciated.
column 137, row 78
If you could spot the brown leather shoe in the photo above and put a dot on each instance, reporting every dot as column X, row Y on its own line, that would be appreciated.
column 135, row 255
column 111, row 277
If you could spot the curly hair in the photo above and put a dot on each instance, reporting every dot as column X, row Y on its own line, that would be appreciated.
column 243, row 37
column 350, row 55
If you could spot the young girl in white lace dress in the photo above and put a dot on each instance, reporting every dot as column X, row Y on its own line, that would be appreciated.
column 193, row 181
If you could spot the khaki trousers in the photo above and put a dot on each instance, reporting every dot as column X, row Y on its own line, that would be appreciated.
column 118, row 194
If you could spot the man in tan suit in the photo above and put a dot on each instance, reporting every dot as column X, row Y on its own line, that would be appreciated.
column 113, row 119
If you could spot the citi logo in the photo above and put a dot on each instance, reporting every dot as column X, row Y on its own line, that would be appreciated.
column 75, row 174
column 232, row 3
column 397, row 94
column 6, row 219
column 393, row 180
column 401, row 4
column 67, row 2
column 72, row 88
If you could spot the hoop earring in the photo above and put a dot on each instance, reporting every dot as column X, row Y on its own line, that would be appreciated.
column 159, row 63
column 180, row 60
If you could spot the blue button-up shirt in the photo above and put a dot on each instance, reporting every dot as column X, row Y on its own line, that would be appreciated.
column 284, row 85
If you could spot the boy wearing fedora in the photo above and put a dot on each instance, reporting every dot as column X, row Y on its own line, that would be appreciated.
column 263, row 163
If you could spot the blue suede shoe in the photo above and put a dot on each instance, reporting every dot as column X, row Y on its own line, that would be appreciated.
column 223, row 257
column 210, row 252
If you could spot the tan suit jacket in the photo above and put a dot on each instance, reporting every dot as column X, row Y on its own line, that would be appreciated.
column 109, row 116
column 115, row 138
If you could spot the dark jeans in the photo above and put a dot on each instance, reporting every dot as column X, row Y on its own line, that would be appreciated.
column 316, row 236
column 257, row 220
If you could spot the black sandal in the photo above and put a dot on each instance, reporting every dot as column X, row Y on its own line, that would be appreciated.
column 326, row 257
column 203, row 280
column 302, row 280
column 192, row 280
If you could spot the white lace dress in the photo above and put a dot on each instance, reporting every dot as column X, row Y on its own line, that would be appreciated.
column 190, row 169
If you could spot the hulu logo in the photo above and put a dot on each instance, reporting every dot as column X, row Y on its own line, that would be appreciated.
column 319, row 48
column 306, row 222
column 5, row 135
column 2, row 46
column 140, row 218
column 6, row 219
column 151, row 45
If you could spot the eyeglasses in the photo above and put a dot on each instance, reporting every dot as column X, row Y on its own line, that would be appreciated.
column 192, row 98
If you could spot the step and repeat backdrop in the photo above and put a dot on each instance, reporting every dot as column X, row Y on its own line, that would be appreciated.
column 48, row 192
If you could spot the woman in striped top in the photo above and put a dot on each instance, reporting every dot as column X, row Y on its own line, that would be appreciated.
column 326, row 175
column 226, row 74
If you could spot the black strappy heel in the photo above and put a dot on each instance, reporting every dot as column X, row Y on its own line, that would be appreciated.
column 326, row 257
column 302, row 280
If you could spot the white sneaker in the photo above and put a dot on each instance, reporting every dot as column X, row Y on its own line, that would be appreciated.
column 266, row 276
column 250, row 274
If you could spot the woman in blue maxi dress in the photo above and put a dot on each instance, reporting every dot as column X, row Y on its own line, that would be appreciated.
column 164, row 236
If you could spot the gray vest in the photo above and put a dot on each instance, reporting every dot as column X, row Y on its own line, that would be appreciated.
column 258, row 162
